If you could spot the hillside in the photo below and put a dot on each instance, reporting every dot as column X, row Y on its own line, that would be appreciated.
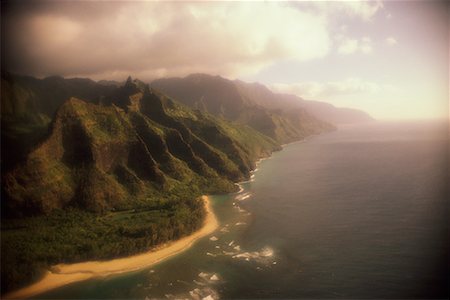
column 212, row 94
column 29, row 104
column 111, row 175
column 231, row 100
column 286, row 102
column 104, row 155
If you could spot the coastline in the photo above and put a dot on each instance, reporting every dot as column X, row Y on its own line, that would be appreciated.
column 64, row 274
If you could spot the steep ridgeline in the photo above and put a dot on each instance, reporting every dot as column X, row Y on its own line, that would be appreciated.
column 227, row 99
column 28, row 105
column 280, row 116
column 111, row 176
column 285, row 102
column 136, row 144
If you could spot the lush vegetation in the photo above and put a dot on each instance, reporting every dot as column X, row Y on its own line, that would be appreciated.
column 109, row 176
column 102, row 171
column 29, row 246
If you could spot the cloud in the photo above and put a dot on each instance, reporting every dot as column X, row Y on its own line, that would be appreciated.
column 390, row 41
column 350, row 46
column 317, row 90
column 153, row 39
column 363, row 9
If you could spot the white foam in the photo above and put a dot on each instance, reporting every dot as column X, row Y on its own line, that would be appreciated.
column 213, row 238
column 205, row 293
column 238, row 248
column 241, row 189
column 247, row 255
column 240, row 223
column 208, row 277
column 260, row 256
column 195, row 293
column 247, row 181
column 266, row 252
column 231, row 243
column 214, row 278
column 241, row 210
column 203, row 275
column 224, row 229
column 210, row 254
column 243, row 196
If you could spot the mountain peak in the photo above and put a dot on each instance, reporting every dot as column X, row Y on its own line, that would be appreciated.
column 129, row 80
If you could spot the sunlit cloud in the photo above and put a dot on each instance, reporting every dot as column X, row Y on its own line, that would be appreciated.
column 390, row 41
column 350, row 46
column 316, row 43
column 363, row 9
column 154, row 39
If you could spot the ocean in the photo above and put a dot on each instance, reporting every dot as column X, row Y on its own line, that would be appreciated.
column 361, row 212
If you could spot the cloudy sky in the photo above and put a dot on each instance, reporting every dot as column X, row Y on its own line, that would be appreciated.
column 390, row 59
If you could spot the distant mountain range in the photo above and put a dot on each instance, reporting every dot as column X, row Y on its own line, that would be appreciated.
column 234, row 99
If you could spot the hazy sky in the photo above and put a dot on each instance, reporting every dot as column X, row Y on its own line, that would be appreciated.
column 390, row 59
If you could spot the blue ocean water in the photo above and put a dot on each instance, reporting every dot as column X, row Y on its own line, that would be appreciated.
column 361, row 212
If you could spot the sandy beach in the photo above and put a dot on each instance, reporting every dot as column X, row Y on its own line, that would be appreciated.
column 63, row 274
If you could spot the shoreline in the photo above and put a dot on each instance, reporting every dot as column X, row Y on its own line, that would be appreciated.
column 64, row 274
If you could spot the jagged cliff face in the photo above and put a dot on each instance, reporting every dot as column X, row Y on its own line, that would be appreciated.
column 243, row 103
column 28, row 105
column 134, row 147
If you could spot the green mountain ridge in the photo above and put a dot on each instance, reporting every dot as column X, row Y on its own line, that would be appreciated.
column 212, row 94
column 109, row 175
column 29, row 104
column 136, row 145
column 233, row 101
column 104, row 170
